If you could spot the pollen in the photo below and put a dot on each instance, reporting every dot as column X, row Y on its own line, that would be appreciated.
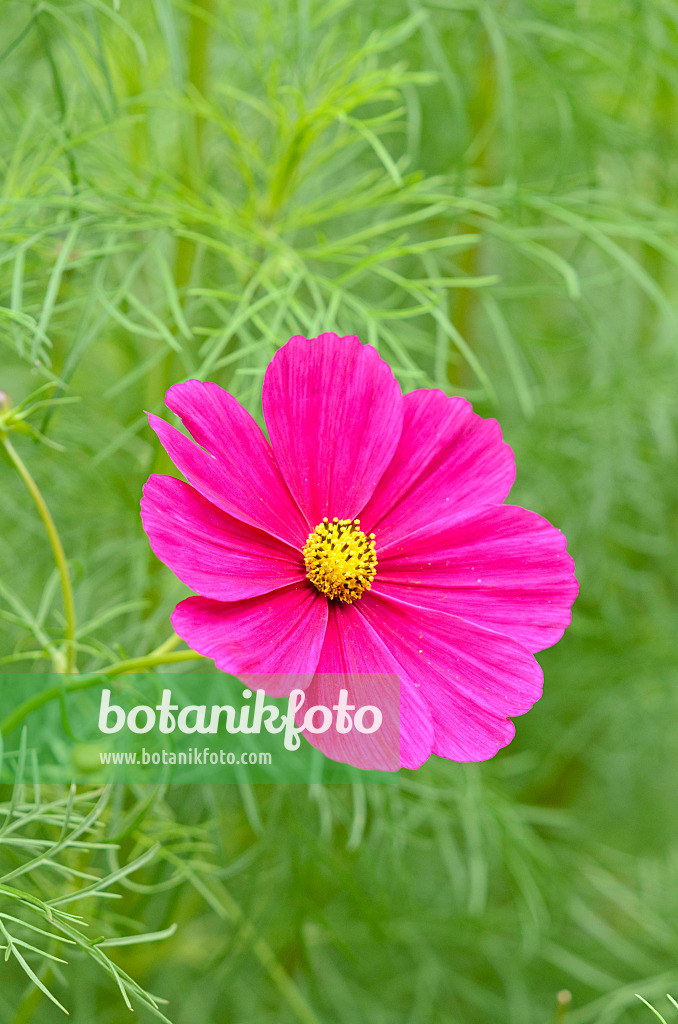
column 341, row 560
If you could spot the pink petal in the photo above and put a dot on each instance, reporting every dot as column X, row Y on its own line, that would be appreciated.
column 471, row 678
column 502, row 567
column 281, row 633
column 237, row 471
column 355, row 657
column 333, row 410
column 448, row 460
column 210, row 551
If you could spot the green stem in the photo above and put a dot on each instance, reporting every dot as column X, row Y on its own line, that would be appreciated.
column 199, row 39
column 191, row 174
column 147, row 661
column 57, row 551
column 170, row 643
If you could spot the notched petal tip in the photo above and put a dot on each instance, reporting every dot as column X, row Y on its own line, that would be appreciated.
column 209, row 550
column 228, row 459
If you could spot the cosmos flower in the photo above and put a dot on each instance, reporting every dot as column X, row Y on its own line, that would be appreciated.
column 368, row 537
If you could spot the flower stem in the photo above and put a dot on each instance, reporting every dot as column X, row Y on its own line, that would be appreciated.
column 86, row 682
column 57, row 550
column 170, row 643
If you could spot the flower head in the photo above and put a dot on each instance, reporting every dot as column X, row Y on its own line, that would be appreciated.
column 369, row 539
column 341, row 560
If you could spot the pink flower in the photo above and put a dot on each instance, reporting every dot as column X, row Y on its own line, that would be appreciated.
column 369, row 536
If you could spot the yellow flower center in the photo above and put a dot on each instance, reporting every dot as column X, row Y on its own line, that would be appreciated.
column 340, row 559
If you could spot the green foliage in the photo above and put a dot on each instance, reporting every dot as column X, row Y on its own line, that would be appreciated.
column 485, row 190
column 671, row 1000
column 47, row 840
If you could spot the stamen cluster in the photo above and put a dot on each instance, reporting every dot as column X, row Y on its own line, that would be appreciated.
column 341, row 560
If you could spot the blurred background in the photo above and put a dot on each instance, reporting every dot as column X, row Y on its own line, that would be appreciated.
column 486, row 191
